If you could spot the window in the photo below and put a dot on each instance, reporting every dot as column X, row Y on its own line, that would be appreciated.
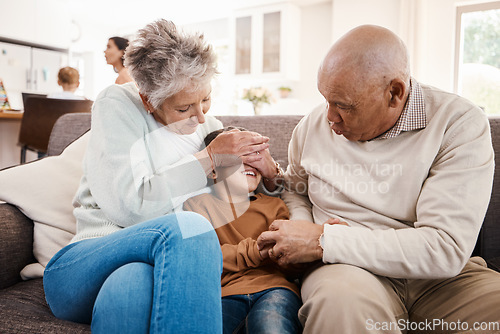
column 477, row 54
column 267, row 43
column 271, row 38
column 243, row 44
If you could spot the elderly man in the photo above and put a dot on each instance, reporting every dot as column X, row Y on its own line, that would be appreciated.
column 401, row 173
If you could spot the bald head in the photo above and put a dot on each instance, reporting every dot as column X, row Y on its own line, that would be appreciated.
column 371, row 54
column 365, row 80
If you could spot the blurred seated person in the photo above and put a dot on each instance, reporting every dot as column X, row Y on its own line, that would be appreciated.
column 114, row 54
column 69, row 79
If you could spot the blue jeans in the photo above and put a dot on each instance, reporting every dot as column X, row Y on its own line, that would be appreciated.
column 160, row 276
column 272, row 311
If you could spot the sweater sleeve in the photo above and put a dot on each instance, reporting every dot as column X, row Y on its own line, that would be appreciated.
column 282, row 212
column 125, row 183
column 295, row 195
column 244, row 255
column 450, row 210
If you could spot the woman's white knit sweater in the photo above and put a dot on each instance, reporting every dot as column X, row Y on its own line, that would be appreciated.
column 134, row 168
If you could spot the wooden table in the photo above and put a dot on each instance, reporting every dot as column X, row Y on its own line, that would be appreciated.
column 10, row 125
column 11, row 115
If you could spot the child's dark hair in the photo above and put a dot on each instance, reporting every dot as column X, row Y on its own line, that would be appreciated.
column 212, row 135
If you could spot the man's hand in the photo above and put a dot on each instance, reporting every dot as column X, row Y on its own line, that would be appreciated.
column 293, row 241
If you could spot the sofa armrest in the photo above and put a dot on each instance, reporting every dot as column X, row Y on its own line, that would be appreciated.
column 16, row 244
column 489, row 238
column 494, row 264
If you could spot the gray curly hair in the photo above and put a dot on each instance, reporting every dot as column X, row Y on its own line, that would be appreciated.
column 163, row 60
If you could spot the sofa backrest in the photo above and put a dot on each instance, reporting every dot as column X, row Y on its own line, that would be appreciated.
column 279, row 129
column 67, row 128
column 489, row 238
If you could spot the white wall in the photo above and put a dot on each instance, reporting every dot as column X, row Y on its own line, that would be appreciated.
column 347, row 14
column 436, row 45
column 46, row 22
column 426, row 26
column 315, row 42
column 94, row 38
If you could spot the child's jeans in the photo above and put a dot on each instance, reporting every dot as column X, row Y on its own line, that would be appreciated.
column 272, row 311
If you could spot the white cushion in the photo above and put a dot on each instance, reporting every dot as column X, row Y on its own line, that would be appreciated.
column 43, row 190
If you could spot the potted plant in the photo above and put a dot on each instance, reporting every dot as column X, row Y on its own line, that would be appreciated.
column 284, row 91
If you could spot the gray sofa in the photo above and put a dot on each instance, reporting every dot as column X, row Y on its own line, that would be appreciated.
column 22, row 303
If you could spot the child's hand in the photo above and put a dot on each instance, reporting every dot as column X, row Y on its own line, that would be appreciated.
column 264, row 252
column 335, row 221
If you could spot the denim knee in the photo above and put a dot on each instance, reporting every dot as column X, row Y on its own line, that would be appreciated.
column 124, row 302
column 184, row 224
column 189, row 226
column 192, row 224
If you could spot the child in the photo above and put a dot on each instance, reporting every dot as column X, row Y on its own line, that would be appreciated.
column 256, row 295
column 69, row 79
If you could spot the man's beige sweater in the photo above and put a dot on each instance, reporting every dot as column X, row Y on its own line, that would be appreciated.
column 415, row 203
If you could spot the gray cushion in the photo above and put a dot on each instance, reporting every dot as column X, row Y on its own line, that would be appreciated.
column 494, row 264
column 24, row 310
column 67, row 129
column 16, row 244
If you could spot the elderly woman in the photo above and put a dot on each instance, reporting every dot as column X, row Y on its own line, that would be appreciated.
column 138, row 263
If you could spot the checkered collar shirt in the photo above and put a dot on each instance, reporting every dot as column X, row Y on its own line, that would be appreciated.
column 413, row 116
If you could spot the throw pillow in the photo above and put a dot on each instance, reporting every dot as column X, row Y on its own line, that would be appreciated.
column 43, row 190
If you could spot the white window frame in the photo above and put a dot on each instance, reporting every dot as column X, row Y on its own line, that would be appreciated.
column 462, row 9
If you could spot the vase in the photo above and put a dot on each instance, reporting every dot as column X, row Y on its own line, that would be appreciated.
column 257, row 108
column 284, row 93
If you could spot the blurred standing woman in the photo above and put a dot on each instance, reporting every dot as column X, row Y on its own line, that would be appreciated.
column 114, row 54
column 137, row 263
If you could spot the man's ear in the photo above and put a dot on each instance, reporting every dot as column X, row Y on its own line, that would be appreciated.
column 398, row 93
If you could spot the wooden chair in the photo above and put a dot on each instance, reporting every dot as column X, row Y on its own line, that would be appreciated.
column 40, row 115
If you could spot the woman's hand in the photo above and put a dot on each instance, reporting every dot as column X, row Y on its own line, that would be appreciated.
column 235, row 146
column 266, row 165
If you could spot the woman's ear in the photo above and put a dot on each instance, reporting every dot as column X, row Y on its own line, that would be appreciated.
column 213, row 175
column 147, row 105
